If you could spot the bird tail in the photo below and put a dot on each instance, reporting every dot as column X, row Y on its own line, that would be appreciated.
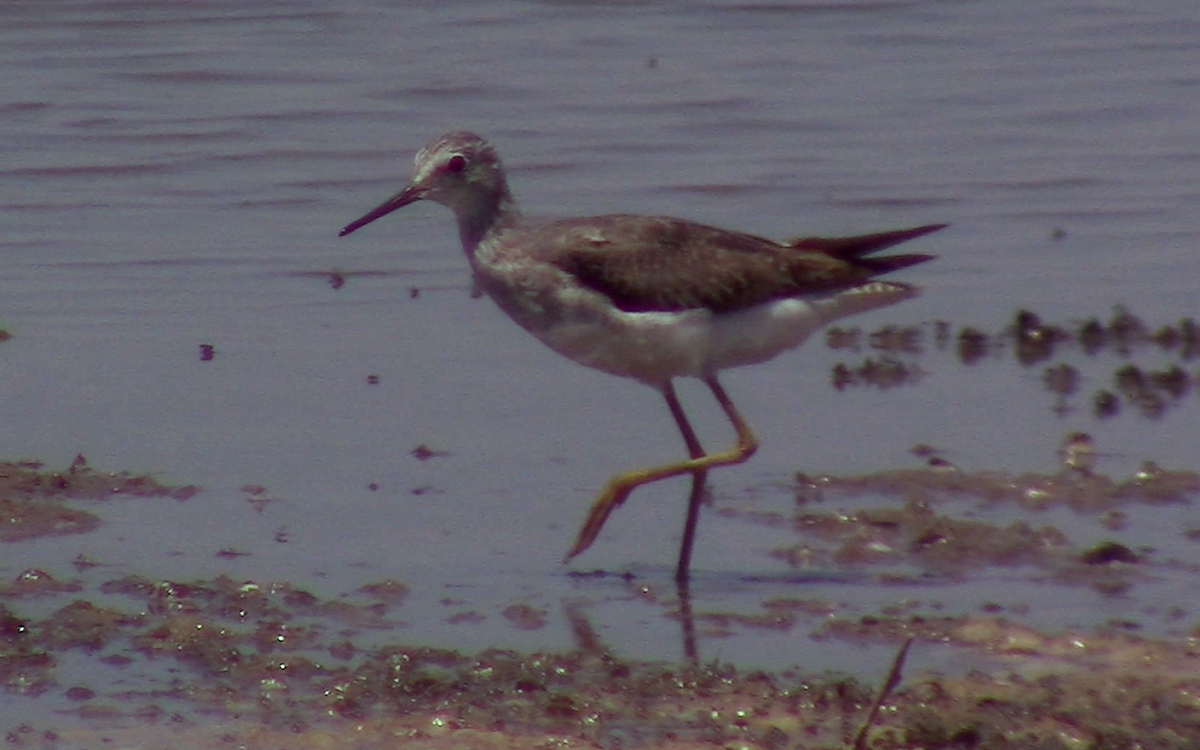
column 856, row 249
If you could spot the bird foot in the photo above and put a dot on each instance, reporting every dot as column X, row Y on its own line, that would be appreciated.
column 610, row 498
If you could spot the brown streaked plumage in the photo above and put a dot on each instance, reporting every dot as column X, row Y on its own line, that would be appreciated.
column 650, row 298
column 662, row 264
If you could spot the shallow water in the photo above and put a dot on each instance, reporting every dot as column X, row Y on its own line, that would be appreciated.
column 176, row 175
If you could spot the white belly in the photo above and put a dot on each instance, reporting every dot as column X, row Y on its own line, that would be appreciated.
column 654, row 347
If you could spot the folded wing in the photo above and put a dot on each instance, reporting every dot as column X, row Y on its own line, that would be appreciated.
column 646, row 264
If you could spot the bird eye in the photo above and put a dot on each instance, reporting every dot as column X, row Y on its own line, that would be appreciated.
column 456, row 164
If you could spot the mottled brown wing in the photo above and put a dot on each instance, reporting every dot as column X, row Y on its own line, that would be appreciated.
column 646, row 264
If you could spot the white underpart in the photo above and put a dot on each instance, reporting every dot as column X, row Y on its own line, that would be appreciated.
column 654, row 347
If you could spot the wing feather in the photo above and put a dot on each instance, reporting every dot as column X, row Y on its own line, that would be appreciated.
column 646, row 264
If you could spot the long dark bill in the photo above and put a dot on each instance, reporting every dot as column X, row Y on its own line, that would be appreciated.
column 401, row 199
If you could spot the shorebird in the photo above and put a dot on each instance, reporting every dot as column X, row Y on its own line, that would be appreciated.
column 651, row 298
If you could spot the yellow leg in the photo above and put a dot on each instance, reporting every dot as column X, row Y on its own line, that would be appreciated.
column 618, row 488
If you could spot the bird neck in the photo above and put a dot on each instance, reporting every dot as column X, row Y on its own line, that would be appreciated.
column 485, row 214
